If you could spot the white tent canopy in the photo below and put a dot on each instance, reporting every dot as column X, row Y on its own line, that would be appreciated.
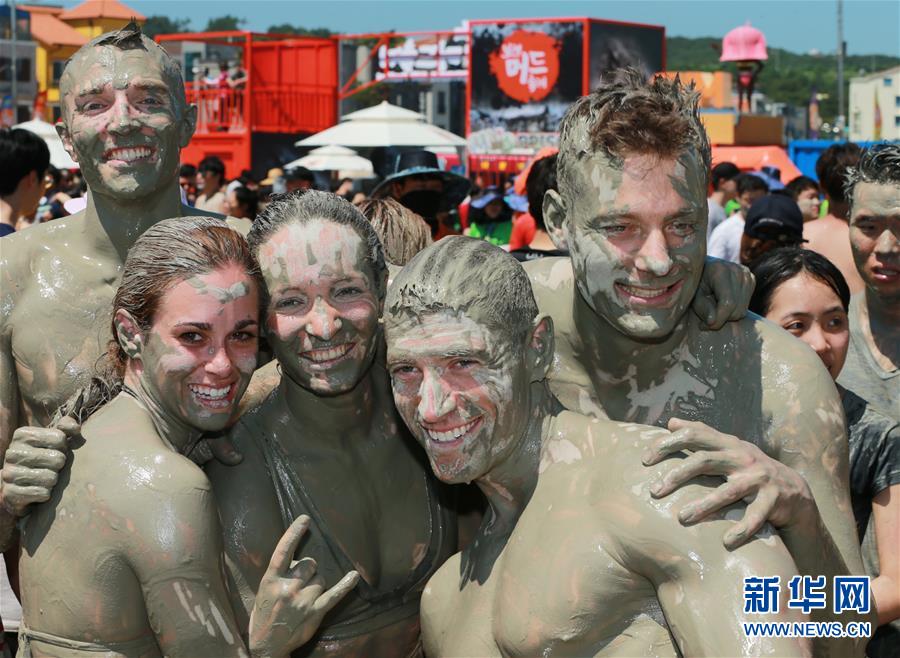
column 46, row 131
column 335, row 158
column 383, row 125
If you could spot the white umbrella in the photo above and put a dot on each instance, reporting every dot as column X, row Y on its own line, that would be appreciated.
column 58, row 156
column 383, row 125
column 335, row 158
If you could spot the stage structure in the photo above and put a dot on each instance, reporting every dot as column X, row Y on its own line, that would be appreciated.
column 525, row 73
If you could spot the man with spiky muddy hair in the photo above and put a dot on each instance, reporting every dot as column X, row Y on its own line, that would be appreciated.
column 125, row 121
column 633, row 166
column 574, row 557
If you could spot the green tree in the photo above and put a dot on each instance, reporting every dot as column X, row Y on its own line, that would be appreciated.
column 164, row 25
column 287, row 28
column 224, row 23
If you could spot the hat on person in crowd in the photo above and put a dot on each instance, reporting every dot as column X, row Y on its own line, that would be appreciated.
column 772, row 176
column 518, row 202
column 491, row 193
column 272, row 175
column 775, row 217
column 425, row 163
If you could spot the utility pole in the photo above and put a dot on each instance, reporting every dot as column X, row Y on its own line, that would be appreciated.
column 842, row 115
column 14, row 73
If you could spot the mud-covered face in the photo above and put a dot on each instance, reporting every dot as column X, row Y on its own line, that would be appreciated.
column 198, row 357
column 461, row 389
column 636, row 233
column 122, row 123
column 322, row 320
column 875, row 237
column 813, row 312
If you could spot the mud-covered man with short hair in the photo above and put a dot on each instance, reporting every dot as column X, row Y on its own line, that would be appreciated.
column 125, row 121
column 574, row 556
column 633, row 166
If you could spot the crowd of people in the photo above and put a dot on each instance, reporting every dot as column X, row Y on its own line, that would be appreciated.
column 259, row 418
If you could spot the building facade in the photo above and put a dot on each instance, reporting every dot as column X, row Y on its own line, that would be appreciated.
column 18, row 87
column 874, row 107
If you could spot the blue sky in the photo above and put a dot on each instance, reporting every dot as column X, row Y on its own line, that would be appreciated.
column 870, row 26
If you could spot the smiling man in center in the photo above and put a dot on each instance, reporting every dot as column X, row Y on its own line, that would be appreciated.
column 574, row 557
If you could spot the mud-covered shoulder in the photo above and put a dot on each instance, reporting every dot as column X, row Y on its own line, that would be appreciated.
column 550, row 274
column 599, row 447
column 602, row 461
column 146, row 468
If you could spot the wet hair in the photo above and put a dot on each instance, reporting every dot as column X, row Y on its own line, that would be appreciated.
column 212, row 164
column 21, row 152
column 168, row 253
column 751, row 183
column 628, row 115
column 783, row 264
column 310, row 205
column 247, row 198
column 723, row 171
column 403, row 233
column 878, row 164
column 799, row 185
column 469, row 276
column 541, row 178
column 832, row 167
column 130, row 37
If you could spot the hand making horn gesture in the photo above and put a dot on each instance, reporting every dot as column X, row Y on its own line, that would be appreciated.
column 291, row 601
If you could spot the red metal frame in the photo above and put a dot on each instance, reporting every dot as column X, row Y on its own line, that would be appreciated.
column 282, row 93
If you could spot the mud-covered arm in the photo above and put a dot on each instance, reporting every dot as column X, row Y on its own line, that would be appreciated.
column 9, row 386
column 797, row 479
column 9, row 401
column 808, row 434
column 176, row 554
column 724, row 292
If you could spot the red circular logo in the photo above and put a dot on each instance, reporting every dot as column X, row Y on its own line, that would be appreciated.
column 526, row 65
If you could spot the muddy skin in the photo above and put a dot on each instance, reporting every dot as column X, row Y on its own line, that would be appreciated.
column 330, row 424
column 151, row 576
column 57, row 280
column 565, row 496
column 649, row 364
column 875, row 313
